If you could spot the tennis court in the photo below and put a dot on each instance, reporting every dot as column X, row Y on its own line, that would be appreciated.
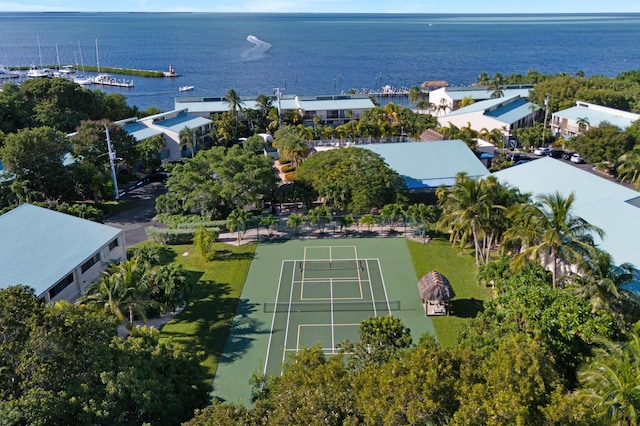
column 302, row 293
column 321, row 299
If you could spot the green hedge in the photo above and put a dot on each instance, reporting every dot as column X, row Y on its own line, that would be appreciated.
column 221, row 224
column 173, row 236
column 287, row 168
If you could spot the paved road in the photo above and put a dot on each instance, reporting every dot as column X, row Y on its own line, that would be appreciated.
column 133, row 221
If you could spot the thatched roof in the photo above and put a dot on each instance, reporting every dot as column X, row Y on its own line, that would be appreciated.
column 430, row 84
column 435, row 287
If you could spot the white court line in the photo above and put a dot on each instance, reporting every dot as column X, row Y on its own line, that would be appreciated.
column 384, row 287
column 286, row 330
column 273, row 319
column 333, row 337
column 373, row 297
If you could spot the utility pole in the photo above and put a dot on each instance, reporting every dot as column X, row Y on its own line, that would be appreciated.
column 278, row 96
column 112, row 158
column 546, row 114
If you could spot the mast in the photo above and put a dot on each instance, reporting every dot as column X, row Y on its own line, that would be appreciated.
column 97, row 57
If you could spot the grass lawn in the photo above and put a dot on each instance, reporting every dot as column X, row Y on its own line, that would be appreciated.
column 459, row 267
column 204, row 324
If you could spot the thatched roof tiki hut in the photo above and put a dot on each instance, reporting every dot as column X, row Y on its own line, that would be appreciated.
column 436, row 292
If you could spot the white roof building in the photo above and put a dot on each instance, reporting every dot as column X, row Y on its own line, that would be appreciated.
column 584, row 116
column 169, row 125
column 449, row 97
column 504, row 114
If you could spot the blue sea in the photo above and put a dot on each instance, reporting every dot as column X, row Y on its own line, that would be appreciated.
column 318, row 54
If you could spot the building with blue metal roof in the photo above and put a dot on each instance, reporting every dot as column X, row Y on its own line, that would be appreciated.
column 427, row 165
column 601, row 202
column 451, row 97
column 329, row 110
column 168, row 125
column 504, row 114
column 576, row 120
column 56, row 254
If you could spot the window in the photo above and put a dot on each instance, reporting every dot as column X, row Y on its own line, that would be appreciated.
column 61, row 285
column 89, row 263
column 113, row 244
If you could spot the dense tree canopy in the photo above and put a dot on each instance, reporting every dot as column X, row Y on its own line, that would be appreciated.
column 352, row 179
column 217, row 181
column 65, row 364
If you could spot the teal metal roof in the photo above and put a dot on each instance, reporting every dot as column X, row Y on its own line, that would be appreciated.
column 176, row 124
column 141, row 132
column 604, row 203
column 429, row 164
column 506, row 110
column 39, row 246
column 334, row 103
column 594, row 117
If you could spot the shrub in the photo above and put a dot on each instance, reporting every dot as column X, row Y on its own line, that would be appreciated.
column 284, row 161
column 287, row 168
column 172, row 236
column 291, row 176
column 204, row 241
column 220, row 224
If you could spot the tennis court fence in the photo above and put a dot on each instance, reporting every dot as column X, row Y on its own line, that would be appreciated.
column 327, row 306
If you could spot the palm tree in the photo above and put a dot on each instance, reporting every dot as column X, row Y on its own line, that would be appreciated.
column 422, row 216
column 549, row 230
column 171, row 288
column 188, row 139
column 291, row 146
column 583, row 123
column 235, row 103
column 495, row 86
column 268, row 222
column 320, row 216
column 415, row 95
column 599, row 280
column 369, row 220
column 465, row 213
column 122, row 290
column 237, row 221
column 483, row 79
column 391, row 213
column 610, row 381
column 629, row 169
column 294, row 221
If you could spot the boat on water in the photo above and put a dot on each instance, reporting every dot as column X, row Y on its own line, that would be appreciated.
column 185, row 88
column 35, row 72
column 82, row 80
column 6, row 74
column 107, row 80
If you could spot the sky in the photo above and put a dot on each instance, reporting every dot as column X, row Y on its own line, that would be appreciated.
column 326, row 6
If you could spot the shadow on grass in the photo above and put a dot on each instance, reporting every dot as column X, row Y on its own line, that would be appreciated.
column 230, row 255
column 466, row 308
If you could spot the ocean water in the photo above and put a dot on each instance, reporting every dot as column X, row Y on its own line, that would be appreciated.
column 317, row 54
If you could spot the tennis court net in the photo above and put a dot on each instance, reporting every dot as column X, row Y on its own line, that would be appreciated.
column 326, row 264
column 371, row 305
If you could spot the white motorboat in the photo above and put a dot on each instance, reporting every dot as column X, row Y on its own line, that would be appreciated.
column 185, row 88
column 39, row 72
column 107, row 80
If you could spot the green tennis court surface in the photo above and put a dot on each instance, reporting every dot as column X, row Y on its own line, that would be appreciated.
column 299, row 294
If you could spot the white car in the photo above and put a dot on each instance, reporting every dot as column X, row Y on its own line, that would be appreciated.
column 577, row 158
column 541, row 151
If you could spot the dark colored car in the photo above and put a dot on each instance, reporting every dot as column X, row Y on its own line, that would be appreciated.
column 567, row 155
column 555, row 153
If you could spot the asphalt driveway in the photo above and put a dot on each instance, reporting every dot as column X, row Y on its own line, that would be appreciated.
column 133, row 221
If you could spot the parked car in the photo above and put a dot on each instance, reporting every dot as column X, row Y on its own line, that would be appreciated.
column 567, row 155
column 541, row 151
column 577, row 158
column 517, row 163
column 555, row 153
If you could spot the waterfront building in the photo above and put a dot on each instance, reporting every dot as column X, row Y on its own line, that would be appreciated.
column 578, row 119
column 447, row 99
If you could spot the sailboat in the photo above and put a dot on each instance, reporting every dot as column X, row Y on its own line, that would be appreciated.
column 106, row 79
column 38, row 72
column 6, row 74
column 82, row 79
